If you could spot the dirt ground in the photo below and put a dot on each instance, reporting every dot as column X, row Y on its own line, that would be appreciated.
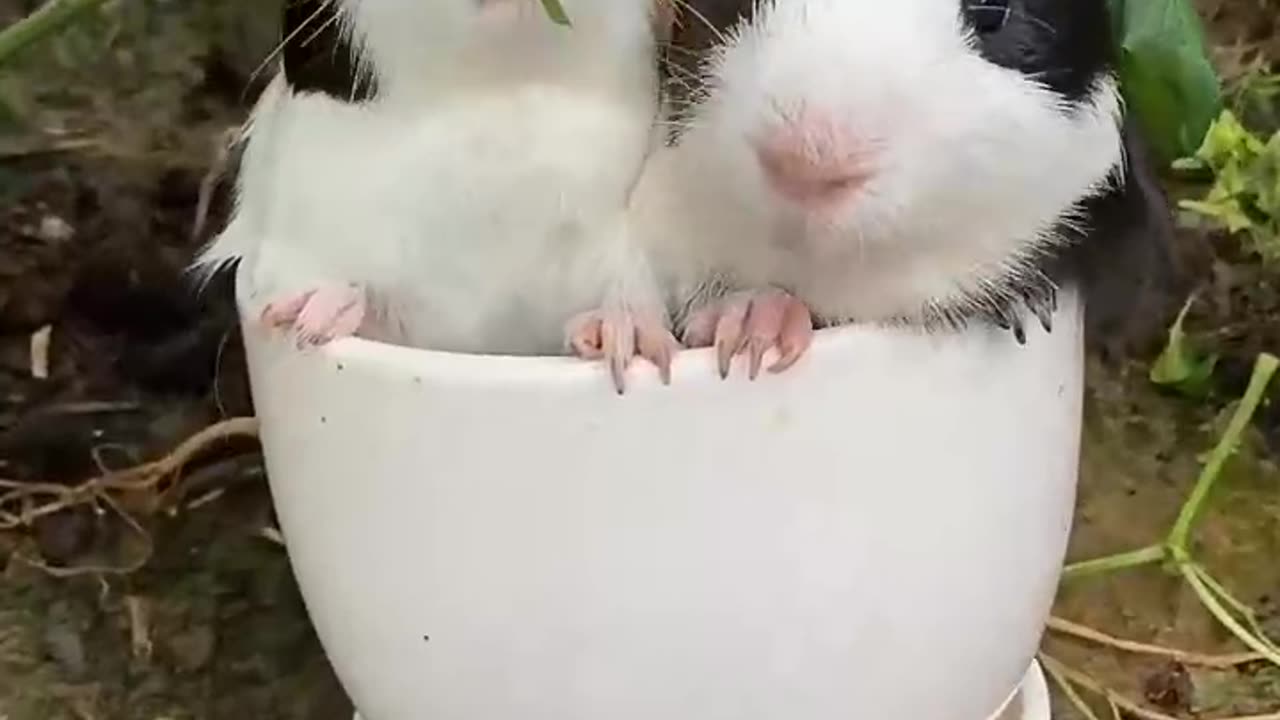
column 106, row 136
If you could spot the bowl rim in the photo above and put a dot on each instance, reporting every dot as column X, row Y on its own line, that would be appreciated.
column 688, row 363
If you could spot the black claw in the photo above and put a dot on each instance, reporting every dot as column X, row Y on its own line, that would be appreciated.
column 1044, row 314
column 1039, row 306
column 1013, row 316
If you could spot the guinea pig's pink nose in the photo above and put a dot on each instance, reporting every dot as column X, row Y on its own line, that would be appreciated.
column 812, row 161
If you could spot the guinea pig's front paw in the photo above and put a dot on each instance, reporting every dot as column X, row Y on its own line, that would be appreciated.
column 319, row 314
column 752, row 322
column 617, row 336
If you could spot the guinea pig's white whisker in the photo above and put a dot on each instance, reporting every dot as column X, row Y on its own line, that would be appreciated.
column 685, row 90
column 685, row 78
column 688, row 52
column 323, row 26
column 681, row 85
column 279, row 48
column 719, row 36
column 1018, row 12
column 681, row 105
column 679, row 125
column 675, row 67
column 1048, row 72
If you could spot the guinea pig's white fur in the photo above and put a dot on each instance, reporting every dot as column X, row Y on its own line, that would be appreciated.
column 479, row 196
column 973, row 167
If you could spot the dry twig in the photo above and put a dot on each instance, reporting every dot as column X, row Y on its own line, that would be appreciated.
column 139, row 609
column 40, row 341
column 1062, row 672
column 273, row 535
column 21, row 503
column 1082, row 632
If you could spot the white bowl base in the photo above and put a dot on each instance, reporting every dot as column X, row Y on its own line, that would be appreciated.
column 497, row 538
column 1029, row 702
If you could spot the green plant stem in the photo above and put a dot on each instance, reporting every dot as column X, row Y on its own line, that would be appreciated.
column 46, row 20
column 1196, row 576
column 1232, row 604
column 1111, row 563
column 1249, row 614
column 1176, row 546
column 1264, row 368
column 1228, row 598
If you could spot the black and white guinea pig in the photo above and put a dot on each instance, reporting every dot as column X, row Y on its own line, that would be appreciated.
column 929, row 162
column 454, row 175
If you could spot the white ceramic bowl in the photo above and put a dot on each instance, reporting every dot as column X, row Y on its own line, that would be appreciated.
column 875, row 534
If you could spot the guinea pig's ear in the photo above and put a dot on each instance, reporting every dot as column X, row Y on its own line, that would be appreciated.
column 1126, row 263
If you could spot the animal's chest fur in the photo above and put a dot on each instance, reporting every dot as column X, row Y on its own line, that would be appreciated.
column 508, row 209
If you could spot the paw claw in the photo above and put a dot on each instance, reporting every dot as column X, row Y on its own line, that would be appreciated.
column 724, row 357
column 787, row 358
column 618, row 337
column 618, row 369
column 658, row 346
column 319, row 314
column 758, row 348
column 664, row 365
column 794, row 337
column 754, row 322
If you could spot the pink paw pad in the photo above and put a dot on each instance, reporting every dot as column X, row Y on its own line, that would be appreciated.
column 752, row 323
column 617, row 337
column 319, row 315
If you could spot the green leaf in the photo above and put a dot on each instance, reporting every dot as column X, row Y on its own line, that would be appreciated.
column 1165, row 73
column 556, row 12
column 1245, row 196
column 49, row 18
column 1264, row 177
column 1228, row 141
column 1178, row 366
column 1228, row 212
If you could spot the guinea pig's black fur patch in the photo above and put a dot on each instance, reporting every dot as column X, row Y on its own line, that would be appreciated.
column 1122, row 257
column 1119, row 252
column 1066, row 44
column 318, row 55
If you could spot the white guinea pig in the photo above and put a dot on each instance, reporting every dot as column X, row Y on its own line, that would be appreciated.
column 454, row 175
column 916, row 161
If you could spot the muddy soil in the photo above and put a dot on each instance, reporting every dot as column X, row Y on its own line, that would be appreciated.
column 107, row 137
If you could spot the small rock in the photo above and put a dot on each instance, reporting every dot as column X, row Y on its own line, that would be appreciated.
column 1170, row 688
column 54, row 229
column 193, row 648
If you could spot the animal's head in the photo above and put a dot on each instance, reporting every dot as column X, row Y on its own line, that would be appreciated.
column 965, row 128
